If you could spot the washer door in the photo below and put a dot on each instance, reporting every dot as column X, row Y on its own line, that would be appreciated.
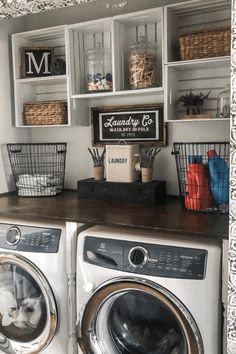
column 135, row 317
column 28, row 315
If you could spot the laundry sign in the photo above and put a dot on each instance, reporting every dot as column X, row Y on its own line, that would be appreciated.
column 129, row 125
column 142, row 124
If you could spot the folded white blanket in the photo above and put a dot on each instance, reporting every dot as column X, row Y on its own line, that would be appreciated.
column 49, row 191
column 38, row 185
column 38, row 181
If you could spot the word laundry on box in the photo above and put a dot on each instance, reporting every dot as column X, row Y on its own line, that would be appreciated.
column 120, row 163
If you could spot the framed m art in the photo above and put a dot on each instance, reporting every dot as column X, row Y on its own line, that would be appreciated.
column 36, row 61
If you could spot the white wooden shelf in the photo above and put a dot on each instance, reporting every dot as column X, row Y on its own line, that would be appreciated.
column 198, row 120
column 162, row 25
column 82, row 37
column 200, row 75
column 48, row 80
column 141, row 92
column 43, row 126
column 215, row 62
column 148, row 91
column 192, row 16
column 119, row 33
column 92, row 95
column 46, row 88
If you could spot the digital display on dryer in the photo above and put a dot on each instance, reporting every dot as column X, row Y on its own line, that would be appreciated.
column 158, row 260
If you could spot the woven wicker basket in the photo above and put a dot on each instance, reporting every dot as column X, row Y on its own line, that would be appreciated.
column 205, row 44
column 45, row 113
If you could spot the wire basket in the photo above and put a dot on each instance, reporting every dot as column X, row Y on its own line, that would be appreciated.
column 203, row 176
column 38, row 169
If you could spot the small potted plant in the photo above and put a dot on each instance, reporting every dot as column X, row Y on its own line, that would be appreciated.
column 147, row 158
column 98, row 163
column 192, row 102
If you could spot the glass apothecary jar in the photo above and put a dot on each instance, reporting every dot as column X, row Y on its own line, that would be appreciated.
column 98, row 69
column 223, row 103
column 142, row 64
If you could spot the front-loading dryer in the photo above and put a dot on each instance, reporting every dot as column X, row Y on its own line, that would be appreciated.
column 33, row 288
column 141, row 292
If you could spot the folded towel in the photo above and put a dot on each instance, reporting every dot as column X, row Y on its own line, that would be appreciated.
column 32, row 180
column 39, row 185
column 49, row 191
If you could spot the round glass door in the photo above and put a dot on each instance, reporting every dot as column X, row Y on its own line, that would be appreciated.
column 28, row 314
column 128, row 318
column 139, row 323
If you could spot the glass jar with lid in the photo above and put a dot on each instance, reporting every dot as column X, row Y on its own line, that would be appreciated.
column 142, row 64
column 223, row 103
column 98, row 69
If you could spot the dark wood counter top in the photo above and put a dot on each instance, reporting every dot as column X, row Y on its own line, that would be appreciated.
column 167, row 217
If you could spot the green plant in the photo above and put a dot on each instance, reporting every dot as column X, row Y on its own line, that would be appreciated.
column 192, row 102
column 98, row 159
column 147, row 156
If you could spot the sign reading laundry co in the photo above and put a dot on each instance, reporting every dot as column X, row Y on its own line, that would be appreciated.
column 134, row 124
column 129, row 125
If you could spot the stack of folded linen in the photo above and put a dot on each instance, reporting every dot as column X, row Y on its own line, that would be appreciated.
column 38, row 185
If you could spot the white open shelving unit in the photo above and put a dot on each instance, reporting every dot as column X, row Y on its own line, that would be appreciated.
column 119, row 34
column 162, row 25
column 201, row 75
column 128, row 29
column 40, row 88
column 81, row 38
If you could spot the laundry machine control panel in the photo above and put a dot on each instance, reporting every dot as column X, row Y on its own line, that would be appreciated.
column 149, row 259
column 29, row 239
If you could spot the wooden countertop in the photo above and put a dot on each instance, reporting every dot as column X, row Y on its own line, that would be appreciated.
column 166, row 217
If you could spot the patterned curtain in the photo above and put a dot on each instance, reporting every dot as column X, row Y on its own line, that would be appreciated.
column 231, row 321
column 15, row 8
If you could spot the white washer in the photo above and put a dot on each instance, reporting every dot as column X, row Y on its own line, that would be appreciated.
column 143, row 292
column 33, row 288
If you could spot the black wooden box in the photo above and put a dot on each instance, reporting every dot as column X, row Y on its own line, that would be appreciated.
column 145, row 193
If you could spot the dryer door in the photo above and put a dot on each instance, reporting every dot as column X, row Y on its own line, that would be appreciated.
column 135, row 316
column 28, row 316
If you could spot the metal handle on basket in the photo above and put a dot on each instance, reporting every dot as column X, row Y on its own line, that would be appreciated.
column 61, row 148
column 15, row 148
column 174, row 151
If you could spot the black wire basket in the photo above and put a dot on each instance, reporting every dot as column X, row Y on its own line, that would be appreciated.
column 38, row 169
column 203, row 175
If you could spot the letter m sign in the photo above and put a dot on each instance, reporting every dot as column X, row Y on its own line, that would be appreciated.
column 36, row 62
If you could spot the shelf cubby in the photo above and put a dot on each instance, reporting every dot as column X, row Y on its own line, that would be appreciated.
column 47, row 88
column 196, row 76
column 192, row 16
column 128, row 29
column 84, row 37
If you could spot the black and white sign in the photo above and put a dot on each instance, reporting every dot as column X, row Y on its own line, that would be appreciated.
column 134, row 124
column 129, row 125
column 36, row 62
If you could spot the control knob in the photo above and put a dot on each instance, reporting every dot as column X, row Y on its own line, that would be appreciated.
column 138, row 256
column 13, row 236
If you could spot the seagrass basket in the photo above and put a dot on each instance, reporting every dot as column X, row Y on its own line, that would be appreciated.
column 45, row 113
column 205, row 44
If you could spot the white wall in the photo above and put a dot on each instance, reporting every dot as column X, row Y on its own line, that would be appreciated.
column 79, row 163
column 8, row 134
